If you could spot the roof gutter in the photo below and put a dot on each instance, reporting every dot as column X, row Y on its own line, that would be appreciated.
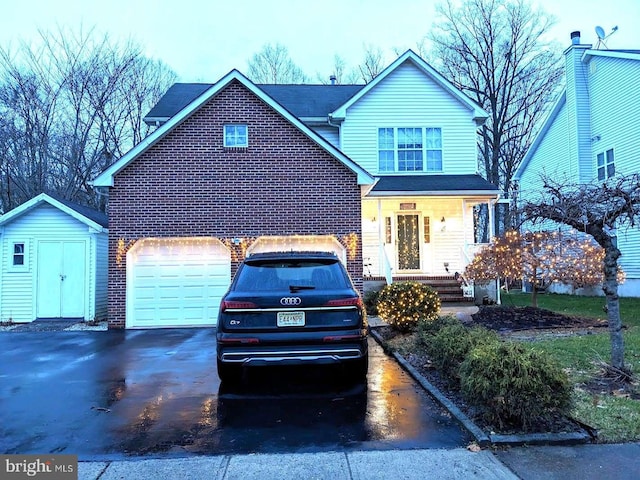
column 437, row 193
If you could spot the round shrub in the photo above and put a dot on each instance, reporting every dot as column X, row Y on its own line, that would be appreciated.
column 513, row 385
column 450, row 345
column 403, row 304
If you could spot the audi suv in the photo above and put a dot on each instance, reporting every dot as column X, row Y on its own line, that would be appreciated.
column 291, row 308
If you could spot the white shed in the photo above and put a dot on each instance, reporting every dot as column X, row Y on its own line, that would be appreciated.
column 53, row 261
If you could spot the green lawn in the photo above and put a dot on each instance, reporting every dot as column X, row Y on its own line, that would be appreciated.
column 616, row 417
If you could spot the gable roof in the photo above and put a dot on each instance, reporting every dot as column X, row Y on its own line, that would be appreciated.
column 395, row 185
column 479, row 115
column 304, row 101
column 90, row 217
column 105, row 179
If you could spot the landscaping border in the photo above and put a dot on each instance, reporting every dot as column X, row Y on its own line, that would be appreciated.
column 582, row 435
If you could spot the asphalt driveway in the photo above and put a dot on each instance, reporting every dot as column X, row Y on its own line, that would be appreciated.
column 156, row 392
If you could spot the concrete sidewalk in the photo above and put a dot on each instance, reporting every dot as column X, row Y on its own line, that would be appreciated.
column 370, row 465
column 602, row 462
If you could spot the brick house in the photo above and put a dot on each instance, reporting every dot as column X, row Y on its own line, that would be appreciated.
column 183, row 206
column 385, row 174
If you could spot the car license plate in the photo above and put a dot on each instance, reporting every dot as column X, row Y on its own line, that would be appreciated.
column 291, row 319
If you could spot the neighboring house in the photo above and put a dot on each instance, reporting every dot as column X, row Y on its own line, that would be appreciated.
column 388, row 168
column 53, row 261
column 591, row 134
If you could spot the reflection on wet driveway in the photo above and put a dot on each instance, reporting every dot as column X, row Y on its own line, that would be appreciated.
column 156, row 392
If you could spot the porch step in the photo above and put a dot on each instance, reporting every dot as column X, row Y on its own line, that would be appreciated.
column 447, row 286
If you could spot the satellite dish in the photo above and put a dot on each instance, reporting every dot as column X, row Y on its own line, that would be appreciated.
column 602, row 36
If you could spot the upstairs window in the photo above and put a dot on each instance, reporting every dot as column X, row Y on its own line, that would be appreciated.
column 434, row 149
column 605, row 165
column 409, row 149
column 386, row 147
column 235, row 136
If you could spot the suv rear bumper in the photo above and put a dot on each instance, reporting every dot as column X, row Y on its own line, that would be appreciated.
column 298, row 355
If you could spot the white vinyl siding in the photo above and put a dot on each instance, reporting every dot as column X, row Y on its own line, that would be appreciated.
column 101, row 275
column 329, row 133
column 408, row 98
column 19, row 289
column 546, row 159
column 615, row 111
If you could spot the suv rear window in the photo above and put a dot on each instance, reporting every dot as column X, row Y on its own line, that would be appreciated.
column 272, row 275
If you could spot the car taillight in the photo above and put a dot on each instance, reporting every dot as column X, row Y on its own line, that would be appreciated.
column 239, row 340
column 236, row 305
column 345, row 302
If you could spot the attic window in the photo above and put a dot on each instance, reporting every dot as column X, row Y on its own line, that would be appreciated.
column 235, row 136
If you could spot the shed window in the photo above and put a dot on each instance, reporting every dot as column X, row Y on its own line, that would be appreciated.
column 19, row 259
column 236, row 136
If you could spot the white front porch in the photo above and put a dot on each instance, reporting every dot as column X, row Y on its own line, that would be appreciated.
column 419, row 235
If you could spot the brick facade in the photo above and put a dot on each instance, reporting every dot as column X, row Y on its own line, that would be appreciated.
column 188, row 184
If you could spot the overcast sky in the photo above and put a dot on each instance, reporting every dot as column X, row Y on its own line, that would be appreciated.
column 203, row 40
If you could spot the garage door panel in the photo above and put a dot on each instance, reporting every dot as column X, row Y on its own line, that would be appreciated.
column 176, row 282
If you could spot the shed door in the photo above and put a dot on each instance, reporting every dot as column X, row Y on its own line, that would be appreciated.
column 176, row 282
column 61, row 280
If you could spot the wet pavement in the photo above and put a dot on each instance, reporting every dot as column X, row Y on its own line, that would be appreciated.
column 116, row 394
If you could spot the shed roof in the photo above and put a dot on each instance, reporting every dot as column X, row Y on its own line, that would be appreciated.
column 89, row 216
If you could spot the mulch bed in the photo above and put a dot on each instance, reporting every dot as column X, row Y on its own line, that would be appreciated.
column 506, row 319
column 524, row 323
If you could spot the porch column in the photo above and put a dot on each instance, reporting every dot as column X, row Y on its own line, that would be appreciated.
column 492, row 227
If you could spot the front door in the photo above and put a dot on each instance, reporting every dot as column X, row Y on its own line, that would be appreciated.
column 408, row 242
column 61, row 280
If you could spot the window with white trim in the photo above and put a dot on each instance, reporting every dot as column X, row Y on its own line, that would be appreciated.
column 19, row 258
column 605, row 165
column 409, row 149
column 236, row 136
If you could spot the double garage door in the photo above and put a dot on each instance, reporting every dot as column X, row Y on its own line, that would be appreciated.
column 176, row 282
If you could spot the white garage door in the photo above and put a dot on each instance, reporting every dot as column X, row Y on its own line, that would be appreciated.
column 176, row 282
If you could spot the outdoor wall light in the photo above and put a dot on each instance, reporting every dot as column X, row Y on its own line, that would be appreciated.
column 443, row 225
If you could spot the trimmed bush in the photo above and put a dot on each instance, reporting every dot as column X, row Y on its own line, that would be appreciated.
column 450, row 345
column 513, row 385
column 428, row 328
column 403, row 304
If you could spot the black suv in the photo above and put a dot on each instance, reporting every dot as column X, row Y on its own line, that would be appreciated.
column 291, row 308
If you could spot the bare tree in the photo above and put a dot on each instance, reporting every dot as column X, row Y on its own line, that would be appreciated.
column 342, row 74
column 372, row 63
column 600, row 210
column 494, row 51
column 70, row 106
column 273, row 64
